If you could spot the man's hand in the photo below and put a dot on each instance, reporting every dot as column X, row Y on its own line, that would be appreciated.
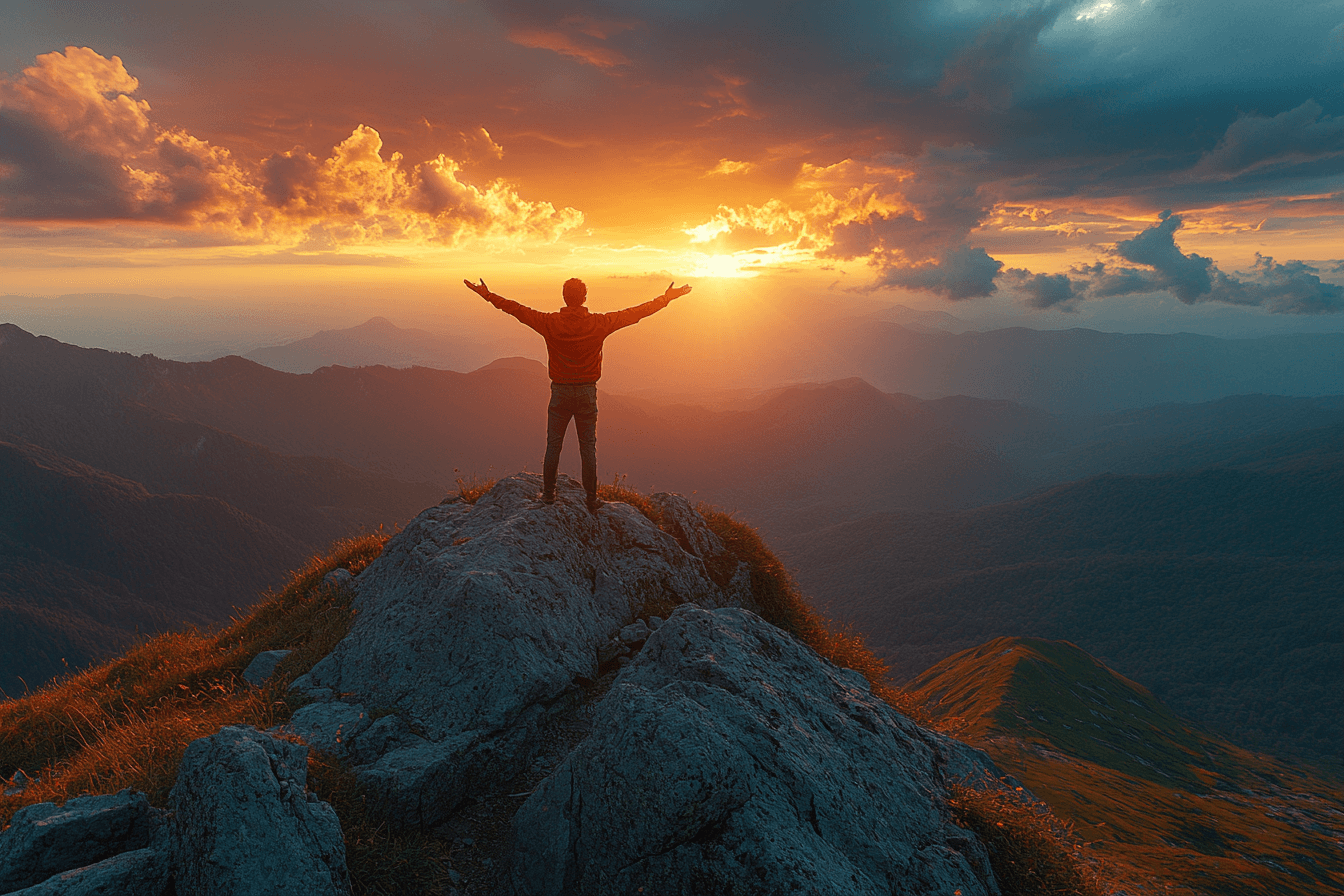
column 677, row 293
column 482, row 290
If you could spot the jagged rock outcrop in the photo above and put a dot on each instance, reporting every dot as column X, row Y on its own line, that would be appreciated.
column 725, row 756
column 729, row 758
column 140, row 872
column 245, row 825
column 45, row 840
column 478, row 620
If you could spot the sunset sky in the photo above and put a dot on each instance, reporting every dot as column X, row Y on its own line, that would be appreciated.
column 1046, row 160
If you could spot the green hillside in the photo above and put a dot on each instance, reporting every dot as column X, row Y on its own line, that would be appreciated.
column 1163, row 798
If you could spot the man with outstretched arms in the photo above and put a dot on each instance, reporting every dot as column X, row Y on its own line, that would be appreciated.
column 574, row 337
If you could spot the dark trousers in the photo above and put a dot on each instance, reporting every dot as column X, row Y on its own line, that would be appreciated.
column 580, row 402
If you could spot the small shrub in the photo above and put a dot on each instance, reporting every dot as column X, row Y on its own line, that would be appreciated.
column 472, row 487
column 619, row 491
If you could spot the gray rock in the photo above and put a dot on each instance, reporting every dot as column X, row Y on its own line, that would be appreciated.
column 140, row 872
column 729, row 758
column 17, row 784
column 244, row 822
column 339, row 577
column 654, row 622
column 262, row 667
column 636, row 632
column 329, row 726
column 45, row 839
column 477, row 620
column 611, row 650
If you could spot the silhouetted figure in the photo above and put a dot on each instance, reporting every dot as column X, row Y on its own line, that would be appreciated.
column 574, row 338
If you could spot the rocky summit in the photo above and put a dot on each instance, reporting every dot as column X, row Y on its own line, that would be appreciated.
column 702, row 749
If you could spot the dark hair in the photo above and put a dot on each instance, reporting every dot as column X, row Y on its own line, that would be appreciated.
column 575, row 291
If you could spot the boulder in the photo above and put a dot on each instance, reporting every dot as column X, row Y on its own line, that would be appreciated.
column 478, row 620
column 636, row 632
column 340, row 577
column 262, row 667
column 729, row 758
column 140, row 872
column 45, row 839
column 244, row 822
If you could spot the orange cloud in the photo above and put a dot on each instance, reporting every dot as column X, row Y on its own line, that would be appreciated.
column 80, row 146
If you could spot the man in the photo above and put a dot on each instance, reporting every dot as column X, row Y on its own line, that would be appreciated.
column 574, row 338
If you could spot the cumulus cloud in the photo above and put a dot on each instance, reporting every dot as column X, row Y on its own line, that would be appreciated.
column 908, row 217
column 1045, row 291
column 75, row 144
column 728, row 166
column 1188, row 276
column 961, row 272
column 1290, row 288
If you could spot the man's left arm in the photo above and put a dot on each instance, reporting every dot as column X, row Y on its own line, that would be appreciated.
column 639, row 312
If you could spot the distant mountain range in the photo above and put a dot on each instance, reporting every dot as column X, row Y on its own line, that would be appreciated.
column 376, row 341
column 1086, row 372
column 121, row 518
column 928, row 354
column 1220, row 588
column 1176, row 808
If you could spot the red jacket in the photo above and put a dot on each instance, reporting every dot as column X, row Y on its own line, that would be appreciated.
column 574, row 334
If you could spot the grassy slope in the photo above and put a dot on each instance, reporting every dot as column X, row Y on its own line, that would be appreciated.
column 1163, row 798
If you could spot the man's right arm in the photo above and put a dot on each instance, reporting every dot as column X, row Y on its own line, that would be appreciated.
column 529, row 316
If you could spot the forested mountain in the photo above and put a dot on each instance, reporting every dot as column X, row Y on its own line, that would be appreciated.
column 1220, row 588
column 1085, row 371
column 86, row 404
column 117, row 518
column 89, row 559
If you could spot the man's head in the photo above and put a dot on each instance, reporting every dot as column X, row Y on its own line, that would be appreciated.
column 576, row 293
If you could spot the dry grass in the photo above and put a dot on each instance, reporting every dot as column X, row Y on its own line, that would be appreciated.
column 126, row 723
column 1032, row 852
column 782, row 604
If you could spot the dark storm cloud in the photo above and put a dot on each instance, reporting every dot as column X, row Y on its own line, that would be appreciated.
column 1299, row 135
column 984, row 74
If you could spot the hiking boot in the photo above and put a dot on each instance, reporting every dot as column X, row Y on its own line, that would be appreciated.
column 595, row 504
column 547, row 497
